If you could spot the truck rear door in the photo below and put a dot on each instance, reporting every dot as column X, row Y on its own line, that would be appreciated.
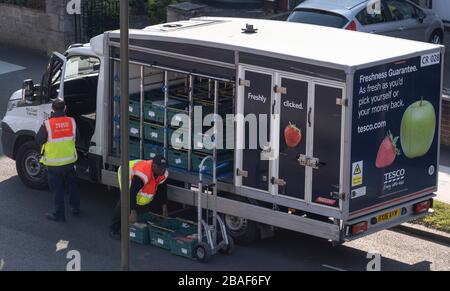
column 395, row 136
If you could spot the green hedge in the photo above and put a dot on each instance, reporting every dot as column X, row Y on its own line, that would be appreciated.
column 34, row 4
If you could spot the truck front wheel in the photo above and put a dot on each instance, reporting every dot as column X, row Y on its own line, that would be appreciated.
column 32, row 173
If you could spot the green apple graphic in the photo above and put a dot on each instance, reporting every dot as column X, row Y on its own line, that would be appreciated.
column 417, row 129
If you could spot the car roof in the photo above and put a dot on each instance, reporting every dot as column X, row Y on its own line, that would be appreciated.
column 331, row 4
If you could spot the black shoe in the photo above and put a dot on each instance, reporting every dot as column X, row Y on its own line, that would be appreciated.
column 114, row 235
column 75, row 212
column 54, row 217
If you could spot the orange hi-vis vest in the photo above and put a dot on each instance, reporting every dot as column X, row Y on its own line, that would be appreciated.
column 143, row 169
column 60, row 149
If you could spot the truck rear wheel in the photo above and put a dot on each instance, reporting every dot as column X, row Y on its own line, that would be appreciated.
column 32, row 173
column 242, row 230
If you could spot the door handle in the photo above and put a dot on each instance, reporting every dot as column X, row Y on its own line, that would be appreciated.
column 309, row 116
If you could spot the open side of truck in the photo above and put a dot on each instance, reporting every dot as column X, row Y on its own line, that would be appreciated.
column 315, row 167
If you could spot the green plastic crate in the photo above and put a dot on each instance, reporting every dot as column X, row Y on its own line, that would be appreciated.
column 183, row 244
column 134, row 108
column 154, row 111
column 177, row 158
column 151, row 150
column 149, row 217
column 139, row 233
column 134, row 128
column 154, row 132
column 178, row 138
column 135, row 149
column 224, row 163
column 160, row 233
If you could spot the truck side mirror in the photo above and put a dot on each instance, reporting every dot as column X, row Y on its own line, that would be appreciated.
column 28, row 90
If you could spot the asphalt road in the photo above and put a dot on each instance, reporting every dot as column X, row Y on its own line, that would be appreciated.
column 28, row 241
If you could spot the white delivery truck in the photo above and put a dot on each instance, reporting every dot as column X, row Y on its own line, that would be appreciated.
column 346, row 123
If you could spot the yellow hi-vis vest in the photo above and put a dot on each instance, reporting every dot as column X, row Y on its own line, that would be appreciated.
column 60, row 149
column 143, row 169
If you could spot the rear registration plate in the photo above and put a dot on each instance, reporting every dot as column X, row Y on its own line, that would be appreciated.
column 389, row 215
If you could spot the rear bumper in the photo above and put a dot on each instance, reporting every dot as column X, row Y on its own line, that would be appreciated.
column 407, row 214
column 8, row 139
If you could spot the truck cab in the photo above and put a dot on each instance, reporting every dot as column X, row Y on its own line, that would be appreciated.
column 74, row 77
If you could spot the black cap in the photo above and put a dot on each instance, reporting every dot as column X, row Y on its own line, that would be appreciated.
column 160, row 161
column 58, row 105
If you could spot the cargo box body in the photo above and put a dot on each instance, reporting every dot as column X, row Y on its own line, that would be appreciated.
column 352, row 128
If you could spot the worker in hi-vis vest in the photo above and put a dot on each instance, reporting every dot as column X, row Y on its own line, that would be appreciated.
column 147, row 186
column 57, row 139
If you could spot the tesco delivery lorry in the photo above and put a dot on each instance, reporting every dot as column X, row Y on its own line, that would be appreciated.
column 327, row 132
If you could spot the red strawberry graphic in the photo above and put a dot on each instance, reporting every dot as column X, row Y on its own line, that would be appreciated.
column 387, row 151
column 292, row 135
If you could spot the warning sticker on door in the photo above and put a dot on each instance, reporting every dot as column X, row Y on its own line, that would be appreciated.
column 357, row 173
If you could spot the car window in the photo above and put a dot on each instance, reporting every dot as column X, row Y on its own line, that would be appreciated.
column 81, row 65
column 369, row 16
column 400, row 10
column 318, row 17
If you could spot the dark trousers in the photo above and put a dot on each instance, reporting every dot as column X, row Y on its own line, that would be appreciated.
column 60, row 179
column 155, row 206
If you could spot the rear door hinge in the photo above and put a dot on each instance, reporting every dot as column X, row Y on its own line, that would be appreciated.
column 342, row 101
column 337, row 195
column 280, row 90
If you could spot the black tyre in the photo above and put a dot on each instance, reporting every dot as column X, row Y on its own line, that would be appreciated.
column 32, row 173
column 228, row 249
column 437, row 37
column 202, row 252
column 243, row 231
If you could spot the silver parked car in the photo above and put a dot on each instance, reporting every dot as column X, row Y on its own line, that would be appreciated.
column 397, row 18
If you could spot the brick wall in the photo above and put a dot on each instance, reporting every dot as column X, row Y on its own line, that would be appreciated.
column 49, row 30
column 445, row 128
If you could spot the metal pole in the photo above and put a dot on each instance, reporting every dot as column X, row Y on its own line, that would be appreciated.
column 124, row 135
